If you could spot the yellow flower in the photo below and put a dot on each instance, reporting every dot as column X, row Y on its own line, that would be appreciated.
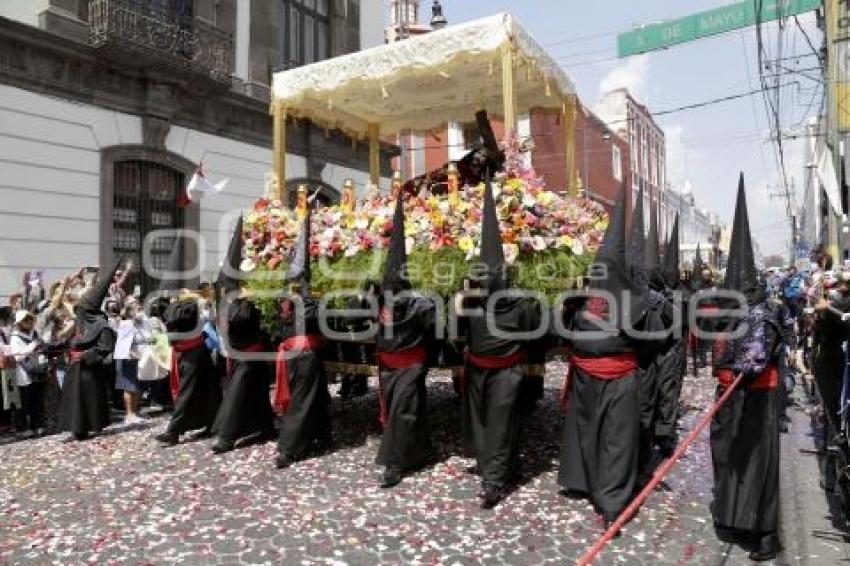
column 545, row 198
column 565, row 241
column 465, row 244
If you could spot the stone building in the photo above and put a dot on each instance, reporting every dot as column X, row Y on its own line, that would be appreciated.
column 107, row 107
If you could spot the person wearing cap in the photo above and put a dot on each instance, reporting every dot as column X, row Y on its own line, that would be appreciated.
column 744, row 440
column 30, row 373
column 493, row 374
column 406, row 326
column 84, row 405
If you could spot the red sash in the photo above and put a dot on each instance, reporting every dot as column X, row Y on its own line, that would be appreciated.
column 607, row 368
column 177, row 348
column 398, row 359
column 308, row 342
column 768, row 379
column 489, row 362
column 257, row 347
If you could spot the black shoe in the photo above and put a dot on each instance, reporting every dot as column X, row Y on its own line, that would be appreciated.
column 574, row 494
column 392, row 477
column 283, row 461
column 491, row 496
column 766, row 548
column 167, row 438
column 205, row 432
column 222, row 446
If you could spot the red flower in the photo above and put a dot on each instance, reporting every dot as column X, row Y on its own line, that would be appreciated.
column 261, row 204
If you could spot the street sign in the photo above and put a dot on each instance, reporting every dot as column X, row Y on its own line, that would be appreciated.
column 708, row 23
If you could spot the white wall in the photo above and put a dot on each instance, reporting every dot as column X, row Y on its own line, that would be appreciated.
column 372, row 23
column 50, row 182
column 50, row 158
column 24, row 11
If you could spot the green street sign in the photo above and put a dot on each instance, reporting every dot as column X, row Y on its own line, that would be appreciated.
column 708, row 23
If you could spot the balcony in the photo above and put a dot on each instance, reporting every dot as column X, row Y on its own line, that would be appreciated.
column 160, row 32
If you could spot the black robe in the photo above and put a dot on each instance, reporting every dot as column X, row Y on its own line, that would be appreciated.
column 306, row 420
column 493, row 406
column 199, row 393
column 199, row 396
column 672, row 367
column 406, row 443
column 745, row 430
column 602, row 432
column 85, row 400
column 829, row 360
column 246, row 408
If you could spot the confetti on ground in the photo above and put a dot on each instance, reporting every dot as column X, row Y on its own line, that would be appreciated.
column 122, row 499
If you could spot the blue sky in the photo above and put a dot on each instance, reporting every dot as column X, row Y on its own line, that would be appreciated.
column 707, row 146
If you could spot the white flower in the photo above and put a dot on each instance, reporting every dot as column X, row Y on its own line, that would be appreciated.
column 351, row 251
column 538, row 243
column 528, row 200
column 511, row 252
column 362, row 223
column 247, row 265
column 408, row 244
column 444, row 206
column 578, row 247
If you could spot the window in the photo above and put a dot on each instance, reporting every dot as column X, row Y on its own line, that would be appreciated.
column 306, row 36
column 144, row 199
column 617, row 162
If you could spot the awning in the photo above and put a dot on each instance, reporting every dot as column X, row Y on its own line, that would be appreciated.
column 426, row 81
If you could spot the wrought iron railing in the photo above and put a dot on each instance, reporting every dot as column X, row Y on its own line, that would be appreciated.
column 161, row 30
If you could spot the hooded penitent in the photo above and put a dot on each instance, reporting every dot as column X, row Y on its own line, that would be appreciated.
column 171, row 281
column 228, row 279
column 671, row 257
column 395, row 270
column 90, row 317
column 696, row 271
column 610, row 271
column 299, row 263
column 652, row 254
column 636, row 258
column 741, row 272
column 492, row 253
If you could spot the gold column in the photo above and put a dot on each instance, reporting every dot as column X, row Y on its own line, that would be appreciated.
column 508, row 92
column 569, row 112
column 279, row 156
column 374, row 154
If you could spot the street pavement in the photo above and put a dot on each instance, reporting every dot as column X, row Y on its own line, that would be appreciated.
column 122, row 499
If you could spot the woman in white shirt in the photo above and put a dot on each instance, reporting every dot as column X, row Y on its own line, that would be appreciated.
column 30, row 363
column 133, row 335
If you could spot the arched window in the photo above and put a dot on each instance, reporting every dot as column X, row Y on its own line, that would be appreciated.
column 144, row 199
column 327, row 194
column 140, row 187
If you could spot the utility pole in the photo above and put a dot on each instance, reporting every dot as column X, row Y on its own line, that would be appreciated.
column 786, row 193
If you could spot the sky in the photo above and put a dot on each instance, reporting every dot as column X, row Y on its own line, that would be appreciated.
column 709, row 146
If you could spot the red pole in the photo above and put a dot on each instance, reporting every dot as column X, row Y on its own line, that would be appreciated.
column 657, row 476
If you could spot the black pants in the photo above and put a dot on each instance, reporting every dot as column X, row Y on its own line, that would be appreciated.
column 31, row 417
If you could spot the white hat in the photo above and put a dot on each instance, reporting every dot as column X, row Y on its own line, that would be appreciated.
column 22, row 315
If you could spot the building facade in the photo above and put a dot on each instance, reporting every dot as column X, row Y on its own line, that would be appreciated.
column 108, row 107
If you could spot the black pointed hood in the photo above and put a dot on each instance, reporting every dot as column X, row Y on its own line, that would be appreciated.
column 175, row 264
column 299, row 263
column 228, row 278
column 93, row 299
column 610, row 271
column 492, row 253
column 652, row 253
column 696, row 271
column 395, row 270
column 636, row 258
column 671, row 257
column 741, row 272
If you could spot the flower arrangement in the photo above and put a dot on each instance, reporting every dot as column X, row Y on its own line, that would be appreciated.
column 539, row 228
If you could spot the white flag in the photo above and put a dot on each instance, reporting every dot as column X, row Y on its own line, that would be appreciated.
column 200, row 187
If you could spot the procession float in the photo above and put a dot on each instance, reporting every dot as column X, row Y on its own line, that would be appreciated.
column 489, row 67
